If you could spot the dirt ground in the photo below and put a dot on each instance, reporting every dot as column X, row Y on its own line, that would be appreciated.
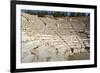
column 80, row 56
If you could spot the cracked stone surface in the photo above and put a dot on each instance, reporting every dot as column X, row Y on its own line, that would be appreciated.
column 54, row 39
